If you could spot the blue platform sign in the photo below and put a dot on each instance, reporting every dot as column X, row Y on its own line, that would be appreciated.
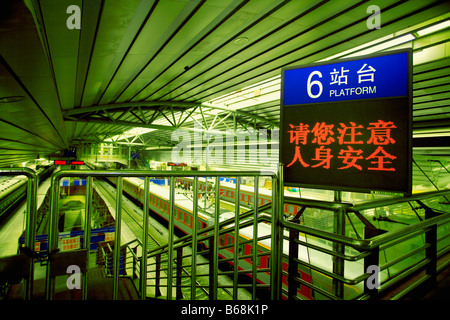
column 347, row 124
column 377, row 77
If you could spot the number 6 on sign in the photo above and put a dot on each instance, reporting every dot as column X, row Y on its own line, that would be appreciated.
column 315, row 82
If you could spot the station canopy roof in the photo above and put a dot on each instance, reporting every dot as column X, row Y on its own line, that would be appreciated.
column 162, row 65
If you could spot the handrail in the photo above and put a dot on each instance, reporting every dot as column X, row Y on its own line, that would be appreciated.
column 320, row 204
column 370, row 248
column 389, row 236
column 363, row 244
column 146, row 173
column 358, row 244
column 185, row 241
column 223, row 223
column 90, row 174
column 392, row 201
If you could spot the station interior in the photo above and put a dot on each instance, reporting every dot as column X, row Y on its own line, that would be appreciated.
column 105, row 101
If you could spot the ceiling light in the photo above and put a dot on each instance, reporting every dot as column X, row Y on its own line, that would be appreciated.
column 434, row 28
column 11, row 99
column 385, row 45
column 240, row 40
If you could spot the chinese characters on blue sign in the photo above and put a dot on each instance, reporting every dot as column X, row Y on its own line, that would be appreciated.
column 347, row 125
column 378, row 77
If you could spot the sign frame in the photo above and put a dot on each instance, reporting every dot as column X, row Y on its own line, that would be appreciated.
column 407, row 190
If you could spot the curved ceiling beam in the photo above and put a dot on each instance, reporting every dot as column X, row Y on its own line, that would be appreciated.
column 110, row 107
column 183, row 104
column 243, row 113
column 122, row 123
column 149, row 126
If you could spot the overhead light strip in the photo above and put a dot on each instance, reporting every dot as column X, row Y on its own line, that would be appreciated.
column 434, row 28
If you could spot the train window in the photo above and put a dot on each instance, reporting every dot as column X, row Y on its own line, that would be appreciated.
column 291, row 209
column 181, row 215
column 230, row 239
column 224, row 240
column 262, row 260
column 188, row 219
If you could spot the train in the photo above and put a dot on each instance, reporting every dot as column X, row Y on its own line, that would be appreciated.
column 13, row 189
column 183, row 221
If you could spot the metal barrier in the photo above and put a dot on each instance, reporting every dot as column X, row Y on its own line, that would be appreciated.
column 221, row 240
column 268, row 248
column 171, row 245
column 348, row 275
column 30, row 231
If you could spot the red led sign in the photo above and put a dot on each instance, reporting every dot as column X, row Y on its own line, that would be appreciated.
column 66, row 162
column 322, row 135
column 358, row 144
column 177, row 164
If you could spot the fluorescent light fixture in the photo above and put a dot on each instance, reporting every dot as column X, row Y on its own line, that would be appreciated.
column 434, row 28
column 243, row 98
column 138, row 131
column 261, row 92
column 158, row 148
column 385, row 45
column 358, row 48
column 130, row 133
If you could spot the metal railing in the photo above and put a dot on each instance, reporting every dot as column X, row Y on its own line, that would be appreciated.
column 182, row 279
column 30, row 220
column 170, row 248
column 290, row 260
column 191, row 282
column 336, row 266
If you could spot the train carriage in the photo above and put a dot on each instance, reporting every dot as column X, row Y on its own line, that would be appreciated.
column 13, row 189
column 183, row 220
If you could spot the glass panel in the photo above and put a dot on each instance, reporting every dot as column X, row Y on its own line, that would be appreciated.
column 318, row 219
column 400, row 249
